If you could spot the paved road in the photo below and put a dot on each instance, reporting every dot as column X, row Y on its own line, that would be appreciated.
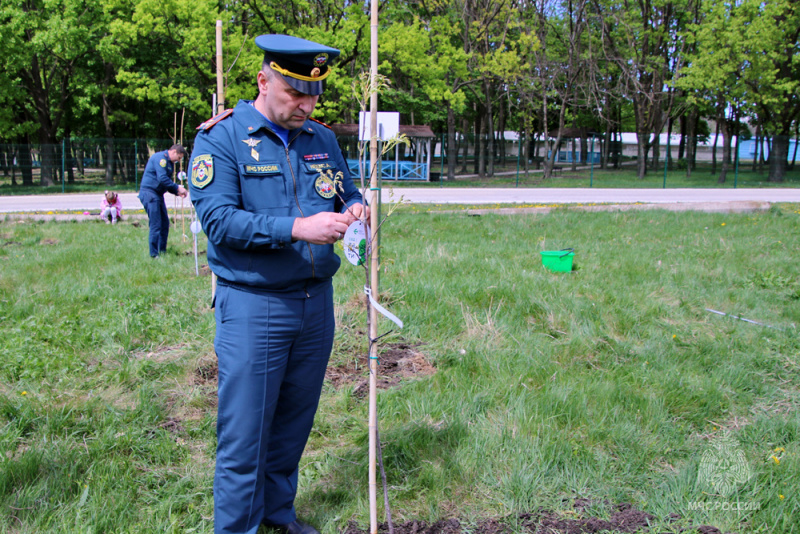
column 449, row 195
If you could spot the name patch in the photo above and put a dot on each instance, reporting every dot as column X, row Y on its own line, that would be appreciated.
column 316, row 167
column 260, row 169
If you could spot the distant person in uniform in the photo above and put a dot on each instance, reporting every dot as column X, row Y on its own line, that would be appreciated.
column 271, row 219
column 157, row 180
column 111, row 208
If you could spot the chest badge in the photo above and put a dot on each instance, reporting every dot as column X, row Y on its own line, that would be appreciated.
column 324, row 187
column 252, row 143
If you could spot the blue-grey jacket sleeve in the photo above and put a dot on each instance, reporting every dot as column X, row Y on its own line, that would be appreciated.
column 219, row 204
column 164, row 177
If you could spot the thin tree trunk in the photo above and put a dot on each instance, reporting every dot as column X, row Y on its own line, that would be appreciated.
column 584, row 148
column 107, row 125
column 70, row 155
column 477, row 168
column 574, row 163
column 26, row 162
column 465, row 129
column 656, row 148
column 501, row 138
column 726, row 149
column 489, row 128
column 756, row 144
column 714, row 147
column 690, row 141
column 451, row 141
column 778, row 157
column 668, row 148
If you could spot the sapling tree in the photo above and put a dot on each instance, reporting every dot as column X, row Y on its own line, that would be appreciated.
column 360, row 244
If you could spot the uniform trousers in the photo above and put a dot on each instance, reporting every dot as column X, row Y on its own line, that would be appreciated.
column 156, row 209
column 273, row 352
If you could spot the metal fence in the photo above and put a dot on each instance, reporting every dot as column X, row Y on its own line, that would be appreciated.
column 122, row 161
column 110, row 161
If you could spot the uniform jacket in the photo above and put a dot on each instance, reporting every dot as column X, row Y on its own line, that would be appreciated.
column 157, row 177
column 248, row 188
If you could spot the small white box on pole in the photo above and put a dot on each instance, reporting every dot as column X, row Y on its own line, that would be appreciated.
column 388, row 125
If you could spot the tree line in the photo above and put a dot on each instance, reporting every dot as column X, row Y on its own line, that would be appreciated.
column 547, row 69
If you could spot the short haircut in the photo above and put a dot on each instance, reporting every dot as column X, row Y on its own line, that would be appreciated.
column 266, row 69
column 179, row 149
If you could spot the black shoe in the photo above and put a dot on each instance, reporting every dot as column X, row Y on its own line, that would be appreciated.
column 295, row 527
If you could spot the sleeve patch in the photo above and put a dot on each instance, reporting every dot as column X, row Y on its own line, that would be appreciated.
column 163, row 162
column 202, row 170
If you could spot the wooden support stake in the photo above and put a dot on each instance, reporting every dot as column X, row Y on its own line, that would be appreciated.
column 220, row 108
column 374, row 265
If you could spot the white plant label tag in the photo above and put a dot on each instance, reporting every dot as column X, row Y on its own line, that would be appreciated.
column 355, row 243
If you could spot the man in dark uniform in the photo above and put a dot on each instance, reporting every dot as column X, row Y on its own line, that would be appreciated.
column 273, row 194
column 157, row 180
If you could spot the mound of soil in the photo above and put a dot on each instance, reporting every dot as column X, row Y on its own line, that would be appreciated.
column 396, row 362
column 624, row 520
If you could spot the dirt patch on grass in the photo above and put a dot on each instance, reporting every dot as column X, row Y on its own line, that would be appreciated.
column 205, row 374
column 203, row 381
column 624, row 519
column 396, row 362
column 172, row 425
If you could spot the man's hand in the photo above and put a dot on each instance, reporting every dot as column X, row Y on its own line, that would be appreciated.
column 321, row 229
column 355, row 211
column 182, row 192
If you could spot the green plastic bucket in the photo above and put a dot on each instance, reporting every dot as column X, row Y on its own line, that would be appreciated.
column 559, row 261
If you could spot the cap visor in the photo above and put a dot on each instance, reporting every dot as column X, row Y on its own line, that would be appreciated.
column 307, row 88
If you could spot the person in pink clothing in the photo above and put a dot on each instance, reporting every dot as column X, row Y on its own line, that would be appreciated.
column 112, row 208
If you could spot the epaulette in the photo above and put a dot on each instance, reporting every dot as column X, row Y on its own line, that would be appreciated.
column 320, row 122
column 215, row 119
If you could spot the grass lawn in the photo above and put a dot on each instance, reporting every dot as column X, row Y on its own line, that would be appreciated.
column 610, row 384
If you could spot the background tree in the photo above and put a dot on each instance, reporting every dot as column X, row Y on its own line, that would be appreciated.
column 448, row 67
column 164, row 58
column 44, row 44
column 713, row 74
column 123, row 69
column 497, row 64
column 641, row 38
column 771, row 36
